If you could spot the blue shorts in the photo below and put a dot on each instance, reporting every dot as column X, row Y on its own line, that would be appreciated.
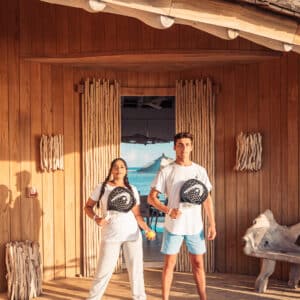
column 171, row 243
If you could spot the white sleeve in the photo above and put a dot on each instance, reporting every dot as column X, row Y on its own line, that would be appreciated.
column 96, row 192
column 159, row 183
column 206, row 180
column 136, row 195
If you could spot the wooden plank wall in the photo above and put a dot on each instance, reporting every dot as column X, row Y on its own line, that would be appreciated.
column 36, row 99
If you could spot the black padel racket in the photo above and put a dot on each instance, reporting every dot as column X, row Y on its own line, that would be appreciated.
column 193, row 191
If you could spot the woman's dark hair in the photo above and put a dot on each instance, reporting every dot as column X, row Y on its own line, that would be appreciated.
column 126, row 181
column 183, row 135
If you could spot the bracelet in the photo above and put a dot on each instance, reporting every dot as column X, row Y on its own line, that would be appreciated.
column 170, row 211
column 95, row 217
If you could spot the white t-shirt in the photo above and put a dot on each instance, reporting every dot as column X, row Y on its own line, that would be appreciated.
column 169, row 182
column 122, row 226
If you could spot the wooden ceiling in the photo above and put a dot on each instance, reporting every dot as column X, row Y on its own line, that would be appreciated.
column 160, row 61
column 223, row 19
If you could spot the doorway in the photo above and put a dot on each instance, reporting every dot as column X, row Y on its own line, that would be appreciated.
column 147, row 130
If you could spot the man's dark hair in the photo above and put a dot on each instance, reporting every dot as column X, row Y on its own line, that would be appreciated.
column 183, row 135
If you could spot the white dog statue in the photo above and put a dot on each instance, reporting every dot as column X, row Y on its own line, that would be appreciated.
column 272, row 242
column 267, row 234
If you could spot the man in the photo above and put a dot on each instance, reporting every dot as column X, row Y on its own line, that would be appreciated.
column 184, row 220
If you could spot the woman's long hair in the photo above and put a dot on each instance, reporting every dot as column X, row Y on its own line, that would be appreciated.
column 126, row 181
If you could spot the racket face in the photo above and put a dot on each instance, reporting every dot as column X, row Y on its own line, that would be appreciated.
column 193, row 191
column 120, row 199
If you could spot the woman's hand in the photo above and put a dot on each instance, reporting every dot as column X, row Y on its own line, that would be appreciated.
column 101, row 221
column 150, row 235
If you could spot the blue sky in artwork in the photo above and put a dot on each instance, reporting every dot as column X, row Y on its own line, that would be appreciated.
column 137, row 155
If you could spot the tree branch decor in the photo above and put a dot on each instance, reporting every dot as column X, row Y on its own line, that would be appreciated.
column 248, row 152
column 52, row 152
column 24, row 275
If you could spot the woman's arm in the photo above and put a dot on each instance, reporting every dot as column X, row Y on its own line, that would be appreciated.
column 89, row 210
column 142, row 224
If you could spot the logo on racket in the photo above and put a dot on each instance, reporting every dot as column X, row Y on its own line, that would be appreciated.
column 193, row 191
column 120, row 199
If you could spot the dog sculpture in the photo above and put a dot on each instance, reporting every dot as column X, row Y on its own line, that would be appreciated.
column 272, row 242
column 267, row 234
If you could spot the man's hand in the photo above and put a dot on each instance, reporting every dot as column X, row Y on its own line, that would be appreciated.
column 211, row 232
column 175, row 213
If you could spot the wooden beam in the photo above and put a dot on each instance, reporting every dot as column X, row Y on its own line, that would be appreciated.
column 272, row 44
column 92, row 6
column 159, row 61
column 157, row 21
column 220, row 32
column 154, row 20
column 222, row 14
column 222, row 19
column 296, row 49
column 147, row 91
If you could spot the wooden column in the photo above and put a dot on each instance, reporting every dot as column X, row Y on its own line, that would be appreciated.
column 101, row 136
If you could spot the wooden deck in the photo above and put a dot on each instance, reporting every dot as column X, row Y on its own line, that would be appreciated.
column 219, row 286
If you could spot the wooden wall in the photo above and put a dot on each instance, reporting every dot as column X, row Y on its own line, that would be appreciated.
column 37, row 98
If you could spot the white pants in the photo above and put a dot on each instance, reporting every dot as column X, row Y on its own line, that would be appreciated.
column 109, row 254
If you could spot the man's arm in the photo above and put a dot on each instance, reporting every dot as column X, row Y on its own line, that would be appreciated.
column 209, row 210
column 154, row 201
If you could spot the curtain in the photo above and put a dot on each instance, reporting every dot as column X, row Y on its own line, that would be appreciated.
column 195, row 113
column 101, row 137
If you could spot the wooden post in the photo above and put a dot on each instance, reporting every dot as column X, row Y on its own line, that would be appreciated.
column 267, row 269
column 195, row 112
column 294, row 276
column 101, row 139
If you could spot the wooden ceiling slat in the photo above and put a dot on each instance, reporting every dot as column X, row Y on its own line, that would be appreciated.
column 154, row 60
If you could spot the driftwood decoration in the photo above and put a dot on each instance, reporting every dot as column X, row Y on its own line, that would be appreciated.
column 101, row 138
column 248, row 152
column 195, row 112
column 24, row 275
column 52, row 152
column 267, row 235
column 271, row 242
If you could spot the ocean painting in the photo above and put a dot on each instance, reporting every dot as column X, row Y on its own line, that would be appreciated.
column 143, row 166
column 141, row 180
column 144, row 162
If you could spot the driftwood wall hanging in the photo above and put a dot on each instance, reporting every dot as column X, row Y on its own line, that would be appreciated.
column 101, row 138
column 248, row 152
column 195, row 112
column 24, row 275
column 52, row 152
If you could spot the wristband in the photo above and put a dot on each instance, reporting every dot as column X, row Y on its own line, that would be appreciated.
column 107, row 217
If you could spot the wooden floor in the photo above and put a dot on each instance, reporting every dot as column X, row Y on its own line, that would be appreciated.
column 219, row 287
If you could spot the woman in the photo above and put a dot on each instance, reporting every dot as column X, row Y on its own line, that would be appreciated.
column 120, row 222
